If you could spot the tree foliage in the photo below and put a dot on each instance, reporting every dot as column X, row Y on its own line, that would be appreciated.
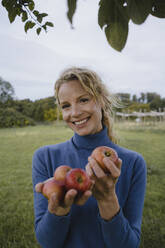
column 26, row 112
column 10, row 117
column 113, row 16
column 6, row 91
column 25, row 9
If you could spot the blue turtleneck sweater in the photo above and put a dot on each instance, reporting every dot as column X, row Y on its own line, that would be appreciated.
column 83, row 227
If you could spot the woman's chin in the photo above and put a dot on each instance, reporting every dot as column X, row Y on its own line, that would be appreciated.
column 81, row 131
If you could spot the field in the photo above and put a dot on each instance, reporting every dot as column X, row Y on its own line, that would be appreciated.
column 17, row 146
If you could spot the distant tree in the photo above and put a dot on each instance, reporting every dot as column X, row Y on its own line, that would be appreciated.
column 162, row 106
column 6, row 91
column 155, row 104
column 142, row 97
column 139, row 107
column 150, row 96
column 9, row 117
column 124, row 97
column 134, row 98
column 113, row 16
column 25, row 106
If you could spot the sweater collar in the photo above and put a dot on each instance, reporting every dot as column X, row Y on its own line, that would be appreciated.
column 92, row 140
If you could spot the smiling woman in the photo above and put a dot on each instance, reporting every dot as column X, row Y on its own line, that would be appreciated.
column 109, row 213
column 84, row 88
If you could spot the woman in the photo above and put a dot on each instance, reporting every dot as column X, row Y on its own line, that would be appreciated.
column 110, row 214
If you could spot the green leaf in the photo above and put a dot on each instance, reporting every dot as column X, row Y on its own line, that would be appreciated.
column 44, row 27
column 32, row 24
column 116, row 34
column 36, row 13
column 3, row 3
column 50, row 24
column 29, row 25
column 19, row 9
column 158, row 9
column 139, row 10
column 31, row 5
column 10, row 5
column 26, row 27
column 44, row 14
column 105, row 15
column 24, row 16
column 12, row 15
column 38, row 30
column 39, row 18
column 71, row 9
column 110, row 10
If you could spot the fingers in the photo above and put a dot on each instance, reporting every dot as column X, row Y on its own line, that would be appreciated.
column 61, row 208
column 94, row 169
column 119, row 163
column 83, row 198
column 70, row 197
column 53, row 203
column 112, row 167
column 38, row 187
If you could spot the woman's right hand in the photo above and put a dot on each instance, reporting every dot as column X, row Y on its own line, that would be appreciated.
column 61, row 209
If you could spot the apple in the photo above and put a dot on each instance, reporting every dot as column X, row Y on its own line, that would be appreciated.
column 53, row 186
column 61, row 171
column 77, row 179
column 99, row 153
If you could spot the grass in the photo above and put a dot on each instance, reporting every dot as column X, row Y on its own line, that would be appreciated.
column 16, row 149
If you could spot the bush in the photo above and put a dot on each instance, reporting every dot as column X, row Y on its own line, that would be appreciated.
column 10, row 117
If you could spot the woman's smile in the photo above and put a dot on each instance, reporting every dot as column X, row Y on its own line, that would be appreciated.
column 81, row 122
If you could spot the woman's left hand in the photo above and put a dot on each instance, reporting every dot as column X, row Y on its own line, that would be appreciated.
column 104, row 187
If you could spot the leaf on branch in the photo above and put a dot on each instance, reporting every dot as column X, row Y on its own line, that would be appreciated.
column 24, row 16
column 44, row 14
column 158, row 8
column 113, row 15
column 31, row 5
column 12, row 15
column 71, row 9
column 36, row 12
column 109, row 10
column 38, row 30
column 116, row 34
column 139, row 10
column 105, row 15
column 39, row 18
column 29, row 25
column 3, row 3
column 50, row 24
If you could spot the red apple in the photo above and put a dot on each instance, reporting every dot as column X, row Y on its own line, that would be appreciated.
column 61, row 171
column 101, row 152
column 77, row 179
column 53, row 186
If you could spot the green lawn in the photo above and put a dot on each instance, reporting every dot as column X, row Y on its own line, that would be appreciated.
column 17, row 146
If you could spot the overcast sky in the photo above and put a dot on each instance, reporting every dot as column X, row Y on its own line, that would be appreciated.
column 32, row 63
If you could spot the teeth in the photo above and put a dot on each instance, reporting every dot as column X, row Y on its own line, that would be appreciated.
column 80, row 122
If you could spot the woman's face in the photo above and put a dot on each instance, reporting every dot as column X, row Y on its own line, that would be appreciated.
column 79, row 109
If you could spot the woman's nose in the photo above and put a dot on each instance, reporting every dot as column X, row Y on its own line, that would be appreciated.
column 76, row 111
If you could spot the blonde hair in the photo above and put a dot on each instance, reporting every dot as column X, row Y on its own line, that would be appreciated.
column 93, row 84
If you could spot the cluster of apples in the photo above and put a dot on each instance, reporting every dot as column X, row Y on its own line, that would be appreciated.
column 66, row 178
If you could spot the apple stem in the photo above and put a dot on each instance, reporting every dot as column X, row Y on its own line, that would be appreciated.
column 79, row 180
column 108, row 154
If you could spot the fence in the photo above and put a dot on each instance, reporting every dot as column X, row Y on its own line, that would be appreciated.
column 152, row 116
